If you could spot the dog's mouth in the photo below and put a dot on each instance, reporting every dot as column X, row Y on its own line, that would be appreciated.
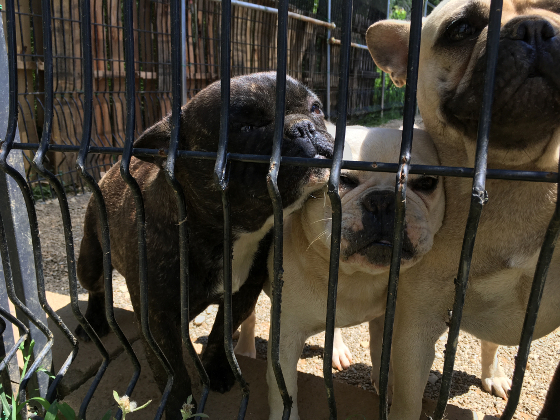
column 377, row 251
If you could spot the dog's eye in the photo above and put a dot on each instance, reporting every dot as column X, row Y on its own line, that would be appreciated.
column 316, row 109
column 348, row 182
column 247, row 128
column 460, row 30
column 425, row 184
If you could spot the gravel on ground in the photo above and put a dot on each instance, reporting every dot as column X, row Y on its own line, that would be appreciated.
column 466, row 389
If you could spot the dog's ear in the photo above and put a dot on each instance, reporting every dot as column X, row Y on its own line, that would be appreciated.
column 155, row 137
column 387, row 41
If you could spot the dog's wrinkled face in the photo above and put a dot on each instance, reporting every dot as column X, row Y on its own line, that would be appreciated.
column 251, row 131
column 368, row 208
column 526, row 107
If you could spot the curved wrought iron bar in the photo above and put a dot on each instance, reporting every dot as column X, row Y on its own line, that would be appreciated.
column 138, row 201
column 6, row 168
column 10, row 290
column 541, row 271
column 336, row 204
column 103, row 219
column 176, row 84
column 478, row 198
column 400, row 200
column 24, row 333
column 221, row 180
column 273, row 191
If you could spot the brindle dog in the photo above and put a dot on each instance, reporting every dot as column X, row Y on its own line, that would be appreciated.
column 251, row 132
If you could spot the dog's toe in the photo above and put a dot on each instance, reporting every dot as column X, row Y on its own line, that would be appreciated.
column 341, row 358
column 221, row 379
column 499, row 386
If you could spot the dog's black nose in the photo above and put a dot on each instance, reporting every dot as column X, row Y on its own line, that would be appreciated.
column 380, row 203
column 531, row 30
column 303, row 128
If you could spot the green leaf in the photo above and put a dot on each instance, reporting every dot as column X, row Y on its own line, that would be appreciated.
column 20, row 406
column 26, row 356
column 107, row 415
column 47, row 372
column 14, row 408
column 67, row 411
column 52, row 411
column 141, row 407
column 201, row 415
column 116, row 396
column 44, row 403
column 5, row 405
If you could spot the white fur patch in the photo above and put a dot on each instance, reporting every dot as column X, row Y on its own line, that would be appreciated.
column 247, row 244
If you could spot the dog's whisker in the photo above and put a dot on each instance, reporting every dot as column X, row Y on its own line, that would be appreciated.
column 321, row 220
column 316, row 239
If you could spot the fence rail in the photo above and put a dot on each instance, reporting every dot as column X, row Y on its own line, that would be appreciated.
column 133, row 97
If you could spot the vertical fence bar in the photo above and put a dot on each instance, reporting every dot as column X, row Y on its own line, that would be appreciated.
column 184, row 63
column 336, row 204
column 102, row 210
column 221, row 180
column 178, row 84
column 533, row 304
column 478, row 198
column 400, row 200
column 273, row 191
column 328, row 102
column 138, row 200
column 15, row 222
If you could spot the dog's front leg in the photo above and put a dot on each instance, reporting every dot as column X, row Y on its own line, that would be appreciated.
column 291, row 346
column 494, row 379
column 375, row 348
column 214, row 358
column 168, row 337
column 412, row 355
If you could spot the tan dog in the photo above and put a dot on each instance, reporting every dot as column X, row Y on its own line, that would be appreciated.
column 525, row 135
column 341, row 355
column 368, row 200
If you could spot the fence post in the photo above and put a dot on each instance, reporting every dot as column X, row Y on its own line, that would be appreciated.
column 16, row 224
column 328, row 62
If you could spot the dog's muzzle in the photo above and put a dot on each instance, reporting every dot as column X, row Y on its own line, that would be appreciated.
column 375, row 240
column 527, row 89
column 303, row 139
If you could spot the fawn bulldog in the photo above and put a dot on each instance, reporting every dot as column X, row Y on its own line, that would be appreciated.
column 368, row 201
column 250, row 132
column 524, row 135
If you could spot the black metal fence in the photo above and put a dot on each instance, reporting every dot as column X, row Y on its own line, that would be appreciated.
column 94, row 146
column 253, row 49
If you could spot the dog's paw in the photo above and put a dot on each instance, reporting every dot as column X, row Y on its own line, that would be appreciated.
column 246, row 350
column 498, row 385
column 341, row 356
column 100, row 326
column 375, row 382
column 220, row 374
